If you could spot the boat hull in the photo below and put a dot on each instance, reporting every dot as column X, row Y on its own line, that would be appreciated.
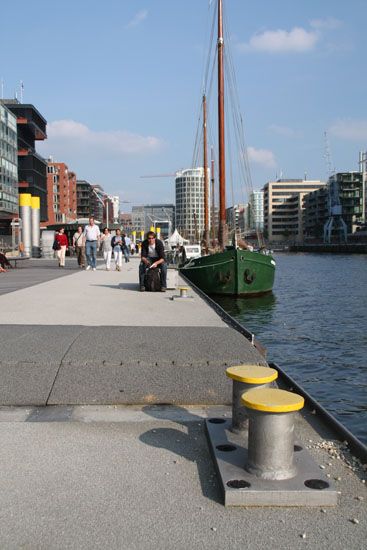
column 232, row 272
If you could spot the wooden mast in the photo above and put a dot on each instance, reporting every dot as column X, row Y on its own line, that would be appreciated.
column 213, row 197
column 222, row 172
column 206, row 180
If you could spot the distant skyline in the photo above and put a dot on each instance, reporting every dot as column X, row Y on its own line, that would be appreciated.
column 120, row 83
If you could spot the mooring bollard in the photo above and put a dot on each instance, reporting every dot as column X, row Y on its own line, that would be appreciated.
column 245, row 378
column 183, row 291
column 271, row 432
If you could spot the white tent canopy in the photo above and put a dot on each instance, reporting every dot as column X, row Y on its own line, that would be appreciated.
column 176, row 239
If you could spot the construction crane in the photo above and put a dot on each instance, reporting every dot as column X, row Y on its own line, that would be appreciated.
column 160, row 175
column 335, row 219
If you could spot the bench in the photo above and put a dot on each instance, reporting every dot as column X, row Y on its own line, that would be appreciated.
column 16, row 259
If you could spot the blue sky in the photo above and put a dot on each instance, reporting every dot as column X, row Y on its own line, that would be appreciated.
column 119, row 83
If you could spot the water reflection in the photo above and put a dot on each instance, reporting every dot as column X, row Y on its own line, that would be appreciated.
column 315, row 329
column 241, row 306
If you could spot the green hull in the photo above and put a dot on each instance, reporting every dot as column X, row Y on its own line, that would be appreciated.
column 232, row 272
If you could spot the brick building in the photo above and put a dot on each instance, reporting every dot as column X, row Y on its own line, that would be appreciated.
column 61, row 193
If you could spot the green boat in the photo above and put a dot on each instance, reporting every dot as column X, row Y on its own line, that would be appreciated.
column 231, row 270
column 234, row 272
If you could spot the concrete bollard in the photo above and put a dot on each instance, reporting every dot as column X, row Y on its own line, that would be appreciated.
column 25, row 214
column 271, row 432
column 183, row 292
column 35, row 221
column 245, row 378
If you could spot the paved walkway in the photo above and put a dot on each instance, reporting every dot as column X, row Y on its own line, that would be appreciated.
column 134, row 477
column 92, row 337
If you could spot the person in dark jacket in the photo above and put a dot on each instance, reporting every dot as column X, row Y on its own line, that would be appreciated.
column 152, row 256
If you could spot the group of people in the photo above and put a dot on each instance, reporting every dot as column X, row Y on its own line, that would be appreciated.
column 86, row 242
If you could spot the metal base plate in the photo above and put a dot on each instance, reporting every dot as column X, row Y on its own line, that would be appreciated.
column 240, row 488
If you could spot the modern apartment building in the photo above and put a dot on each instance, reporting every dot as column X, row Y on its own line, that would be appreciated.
column 351, row 196
column 316, row 212
column 8, row 169
column 190, row 203
column 32, row 168
column 256, row 211
column 235, row 217
column 284, row 207
column 84, row 208
column 62, row 195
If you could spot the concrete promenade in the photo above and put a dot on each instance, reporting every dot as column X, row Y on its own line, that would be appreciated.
column 92, row 337
column 104, row 465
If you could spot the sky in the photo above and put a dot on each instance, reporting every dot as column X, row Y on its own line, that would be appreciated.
column 120, row 82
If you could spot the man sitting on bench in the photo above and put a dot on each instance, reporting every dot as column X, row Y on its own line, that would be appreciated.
column 152, row 257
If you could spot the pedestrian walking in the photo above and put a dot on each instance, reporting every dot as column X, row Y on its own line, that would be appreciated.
column 79, row 246
column 126, row 249
column 118, row 245
column 106, row 247
column 92, row 236
column 62, row 239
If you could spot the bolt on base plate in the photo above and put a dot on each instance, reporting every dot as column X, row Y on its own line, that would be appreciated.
column 240, row 488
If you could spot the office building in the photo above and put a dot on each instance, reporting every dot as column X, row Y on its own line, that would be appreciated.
column 8, row 169
column 284, row 207
column 190, row 203
column 32, row 167
column 153, row 215
column 62, row 193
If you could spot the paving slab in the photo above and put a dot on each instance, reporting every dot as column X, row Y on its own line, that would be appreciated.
column 151, row 364
column 33, row 272
column 147, row 483
column 97, row 339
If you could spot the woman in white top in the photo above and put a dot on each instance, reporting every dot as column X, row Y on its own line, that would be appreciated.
column 107, row 247
column 118, row 246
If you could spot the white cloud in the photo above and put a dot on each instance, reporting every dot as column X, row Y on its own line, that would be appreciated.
column 350, row 129
column 329, row 23
column 261, row 156
column 137, row 19
column 71, row 138
column 281, row 41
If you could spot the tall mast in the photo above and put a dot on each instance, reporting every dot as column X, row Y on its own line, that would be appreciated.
column 222, row 171
column 213, row 196
column 206, row 180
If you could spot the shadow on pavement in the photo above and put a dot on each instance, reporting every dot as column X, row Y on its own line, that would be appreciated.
column 190, row 446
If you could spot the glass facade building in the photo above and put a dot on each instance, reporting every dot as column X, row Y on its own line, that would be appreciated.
column 8, row 165
column 190, row 203
column 256, row 210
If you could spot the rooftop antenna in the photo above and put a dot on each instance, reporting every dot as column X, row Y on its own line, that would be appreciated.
column 328, row 159
column 21, row 90
column 2, row 88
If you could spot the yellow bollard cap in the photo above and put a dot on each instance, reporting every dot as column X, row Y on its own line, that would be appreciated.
column 272, row 400
column 25, row 199
column 252, row 374
column 36, row 202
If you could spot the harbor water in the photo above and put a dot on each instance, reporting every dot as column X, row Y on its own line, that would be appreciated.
column 314, row 325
